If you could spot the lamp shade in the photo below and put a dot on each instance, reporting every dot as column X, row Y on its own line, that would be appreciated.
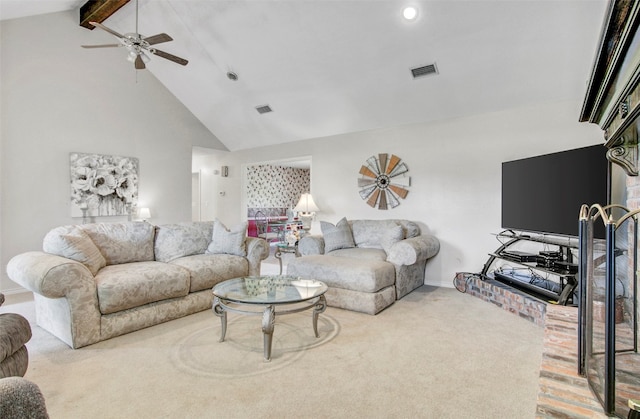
column 144, row 213
column 306, row 204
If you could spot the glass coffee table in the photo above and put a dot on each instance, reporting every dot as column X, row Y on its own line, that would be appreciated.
column 268, row 296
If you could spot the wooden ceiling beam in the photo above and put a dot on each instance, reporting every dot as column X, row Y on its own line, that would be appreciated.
column 98, row 11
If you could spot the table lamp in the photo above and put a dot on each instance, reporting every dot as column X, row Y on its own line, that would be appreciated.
column 306, row 209
column 144, row 214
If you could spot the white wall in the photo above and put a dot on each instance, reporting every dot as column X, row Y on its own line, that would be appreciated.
column 455, row 168
column 59, row 98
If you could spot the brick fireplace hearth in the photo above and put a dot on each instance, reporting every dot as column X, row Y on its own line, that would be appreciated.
column 503, row 296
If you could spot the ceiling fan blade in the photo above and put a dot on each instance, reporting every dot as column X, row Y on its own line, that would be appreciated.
column 101, row 46
column 158, row 39
column 168, row 56
column 139, row 64
column 104, row 28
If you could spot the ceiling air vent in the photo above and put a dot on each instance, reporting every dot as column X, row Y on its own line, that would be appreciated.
column 424, row 70
column 264, row 109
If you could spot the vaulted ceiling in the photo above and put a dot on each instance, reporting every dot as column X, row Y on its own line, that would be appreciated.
column 328, row 67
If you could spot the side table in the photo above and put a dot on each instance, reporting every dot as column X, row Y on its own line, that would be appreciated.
column 284, row 248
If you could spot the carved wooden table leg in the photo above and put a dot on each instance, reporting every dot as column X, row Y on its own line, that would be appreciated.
column 219, row 311
column 268, row 323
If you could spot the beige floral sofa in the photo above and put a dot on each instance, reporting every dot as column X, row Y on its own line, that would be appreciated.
column 96, row 281
column 367, row 264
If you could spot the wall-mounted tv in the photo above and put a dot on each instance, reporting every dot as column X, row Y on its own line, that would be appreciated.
column 544, row 193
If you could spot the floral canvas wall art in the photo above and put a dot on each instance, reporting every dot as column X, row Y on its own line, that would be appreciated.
column 103, row 185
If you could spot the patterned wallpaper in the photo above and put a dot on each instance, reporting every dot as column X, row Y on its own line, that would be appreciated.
column 276, row 186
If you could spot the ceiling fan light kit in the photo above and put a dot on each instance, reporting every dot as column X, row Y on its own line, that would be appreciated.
column 135, row 54
column 137, row 45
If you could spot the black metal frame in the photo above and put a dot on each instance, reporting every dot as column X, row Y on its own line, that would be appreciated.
column 567, row 282
column 585, row 317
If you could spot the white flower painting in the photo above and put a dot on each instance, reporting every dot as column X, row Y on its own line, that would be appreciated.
column 103, row 185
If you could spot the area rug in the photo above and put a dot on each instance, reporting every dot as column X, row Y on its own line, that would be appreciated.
column 436, row 353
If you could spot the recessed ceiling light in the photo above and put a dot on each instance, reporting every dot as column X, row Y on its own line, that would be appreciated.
column 410, row 12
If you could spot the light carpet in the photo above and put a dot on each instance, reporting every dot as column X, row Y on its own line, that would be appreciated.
column 436, row 353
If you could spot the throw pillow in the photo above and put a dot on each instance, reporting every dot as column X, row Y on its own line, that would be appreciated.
column 124, row 242
column 228, row 241
column 75, row 244
column 391, row 237
column 174, row 241
column 337, row 236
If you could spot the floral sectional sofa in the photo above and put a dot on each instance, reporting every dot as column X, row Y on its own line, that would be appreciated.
column 96, row 281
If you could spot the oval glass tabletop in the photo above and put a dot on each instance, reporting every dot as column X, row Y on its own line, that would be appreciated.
column 272, row 289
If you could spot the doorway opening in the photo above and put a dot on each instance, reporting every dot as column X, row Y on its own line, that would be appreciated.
column 271, row 189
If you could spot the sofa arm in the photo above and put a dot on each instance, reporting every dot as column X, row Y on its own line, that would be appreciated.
column 311, row 245
column 409, row 251
column 257, row 251
column 66, row 295
column 50, row 275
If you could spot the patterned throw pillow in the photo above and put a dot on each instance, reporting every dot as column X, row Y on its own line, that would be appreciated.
column 337, row 236
column 228, row 241
column 72, row 243
column 174, row 241
column 124, row 242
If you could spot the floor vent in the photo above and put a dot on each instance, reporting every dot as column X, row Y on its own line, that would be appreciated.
column 424, row 70
column 264, row 109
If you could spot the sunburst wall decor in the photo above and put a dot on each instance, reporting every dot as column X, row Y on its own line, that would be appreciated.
column 384, row 181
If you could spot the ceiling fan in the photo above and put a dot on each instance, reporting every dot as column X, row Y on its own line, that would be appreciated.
column 138, row 44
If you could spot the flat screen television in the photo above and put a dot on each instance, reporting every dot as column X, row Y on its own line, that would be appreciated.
column 543, row 194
